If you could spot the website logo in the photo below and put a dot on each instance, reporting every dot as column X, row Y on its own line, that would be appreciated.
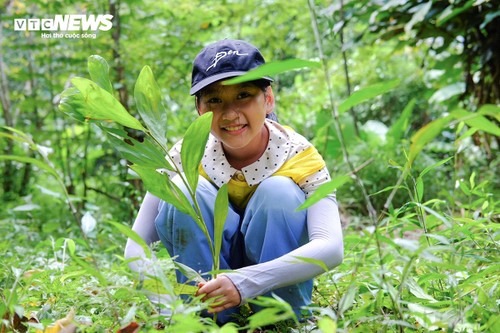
column 70, row 22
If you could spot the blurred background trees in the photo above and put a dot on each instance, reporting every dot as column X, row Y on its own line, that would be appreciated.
column 444, row 54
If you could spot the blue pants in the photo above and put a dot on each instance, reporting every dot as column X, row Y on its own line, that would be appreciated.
column 267, row 229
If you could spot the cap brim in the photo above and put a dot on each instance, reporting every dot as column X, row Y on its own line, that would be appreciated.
column 209, row 80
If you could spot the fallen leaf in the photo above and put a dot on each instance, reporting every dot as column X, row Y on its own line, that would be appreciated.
column 133, row 327
column 17, row 323
column 64, row 325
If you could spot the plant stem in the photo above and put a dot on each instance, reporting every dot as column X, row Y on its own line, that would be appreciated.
column 337, row 123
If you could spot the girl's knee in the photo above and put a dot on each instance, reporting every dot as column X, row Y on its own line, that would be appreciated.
column 279, row 189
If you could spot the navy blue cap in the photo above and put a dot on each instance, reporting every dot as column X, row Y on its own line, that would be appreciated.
column 222, row 60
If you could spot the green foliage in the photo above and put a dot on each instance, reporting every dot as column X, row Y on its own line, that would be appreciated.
column 423, row 70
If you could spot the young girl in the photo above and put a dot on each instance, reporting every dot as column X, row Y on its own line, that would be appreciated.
column 270, row 171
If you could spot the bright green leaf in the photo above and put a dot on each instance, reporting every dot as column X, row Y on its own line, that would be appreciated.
column 425, row 135
column 161, row 186
column 327, row 325
column 417, row 291
column 313, row 261
column 188, row 272
column 72, row 104
column 347, row 299
column 367, row 93
column 396, row 131
column 96, row 103
column 99, row 72
column 125, row 230
column 71, row 245
column 419, row 188
column 193, row 147
column 324, row 190
column 273, row 68
column 220, row 215
column 490, row 110
column 435, row 165
column 145, row 153
column 31, row 160
column 150, row 106
column 476, row 120
column 436, row 214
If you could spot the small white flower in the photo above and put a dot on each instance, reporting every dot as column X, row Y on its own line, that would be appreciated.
column 88, row 223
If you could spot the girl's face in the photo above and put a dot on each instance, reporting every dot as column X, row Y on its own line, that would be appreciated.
column 239, row 112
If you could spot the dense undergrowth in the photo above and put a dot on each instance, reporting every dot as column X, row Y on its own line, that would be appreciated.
column 426, row 266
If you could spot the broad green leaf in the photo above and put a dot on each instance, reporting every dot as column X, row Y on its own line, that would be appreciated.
column 31, row 160
column 324, row 190
column 425, row 135
column 274, row 310
column 472, row 180
column 99, row 72
column 396, row 131
column 273, row 68
column 327, row 325
column 145, row 153
column 125, row 230
column 70, row 245
column 72, row 104
column 419, row 188
column 476, row 120
column 229, row 328
column 188, row 272
column 193, row 147
column 347, row 299
column 220, row 215
column 96, row 103
column 490, row 110
column 367, row 93
column 313, row 261
column 150, row 106
column 417, row 291
column 161, row 186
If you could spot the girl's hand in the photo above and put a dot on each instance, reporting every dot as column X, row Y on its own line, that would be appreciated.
column 221, row 291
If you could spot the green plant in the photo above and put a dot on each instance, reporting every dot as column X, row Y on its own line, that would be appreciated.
column 93, row 101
